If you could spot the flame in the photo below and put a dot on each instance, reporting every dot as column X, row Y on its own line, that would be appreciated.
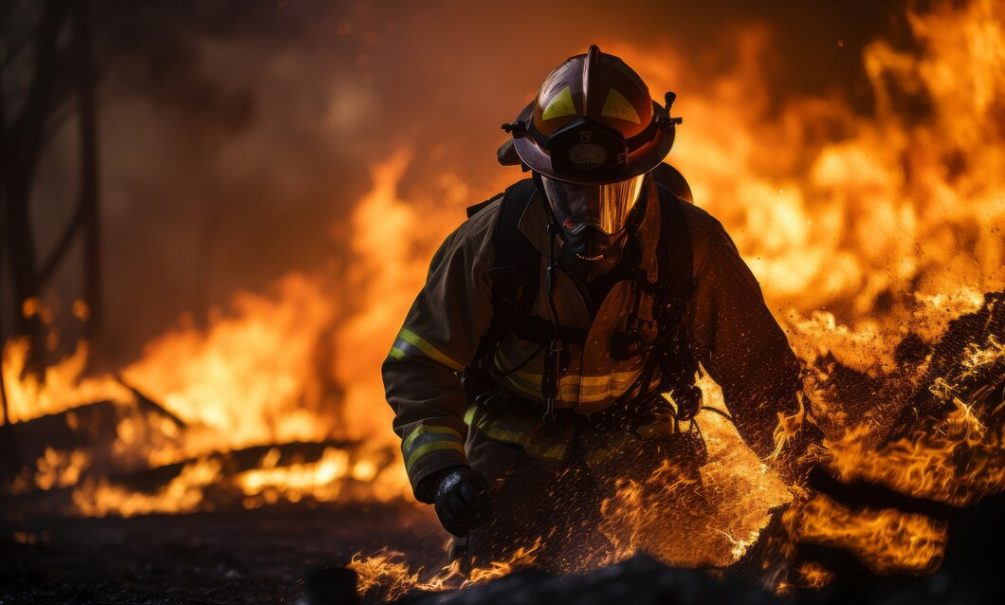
column 390, row 572
column 884, row 540
column 326, row 480
column 183, row 494
column 252, row 377
column 60, row 387
column 882, row 209
column 54, row 469
column 814, row 575
column 740, row 493
column 226, row 379
column 956, row 461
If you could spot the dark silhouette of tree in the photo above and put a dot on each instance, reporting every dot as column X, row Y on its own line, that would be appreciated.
column 47, row 76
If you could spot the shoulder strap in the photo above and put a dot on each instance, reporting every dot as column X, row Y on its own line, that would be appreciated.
column 513, row 251
column 515, row 267
column 675, row 256
column 675, row 289
column 515, row 270
column 672, row 292
column 514, row 276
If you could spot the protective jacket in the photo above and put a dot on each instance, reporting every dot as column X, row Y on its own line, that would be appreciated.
column 730, row 329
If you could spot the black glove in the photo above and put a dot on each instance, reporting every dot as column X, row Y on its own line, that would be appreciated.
column 460, row 500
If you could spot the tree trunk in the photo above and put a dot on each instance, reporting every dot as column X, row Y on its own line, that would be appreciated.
column 89, row 169
column 22, row 142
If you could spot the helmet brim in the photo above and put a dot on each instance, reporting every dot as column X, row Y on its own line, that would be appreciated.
column 639, row 161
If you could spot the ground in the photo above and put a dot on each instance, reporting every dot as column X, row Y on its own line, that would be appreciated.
column 255, row 556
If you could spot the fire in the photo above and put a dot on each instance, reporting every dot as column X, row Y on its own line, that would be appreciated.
column 61, row 386
column 884, row 540
column 329, row 479
column 254, row 377
column 223, row 380
column 740, row 492
column 881, row 211
column 390, row 572
column 54, row 469
column 887, row 230
column 291, row 481
column 183, row 494
column 956, row 461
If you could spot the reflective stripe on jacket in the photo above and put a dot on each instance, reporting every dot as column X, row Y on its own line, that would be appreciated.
column 734, row 335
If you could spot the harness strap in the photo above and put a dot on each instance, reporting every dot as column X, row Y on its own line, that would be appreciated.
column 674, row 355
column 514, row 275
column 515, row 284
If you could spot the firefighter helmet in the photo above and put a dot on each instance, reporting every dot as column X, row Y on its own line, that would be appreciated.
column 593, row 122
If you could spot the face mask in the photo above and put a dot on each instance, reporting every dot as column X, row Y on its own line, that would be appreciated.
column 592, row 221
column 590, row 253
column 606, row 207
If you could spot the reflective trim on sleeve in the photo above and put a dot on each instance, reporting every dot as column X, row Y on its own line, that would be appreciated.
column 522, row 430
column 409, row 343
column 427, row 439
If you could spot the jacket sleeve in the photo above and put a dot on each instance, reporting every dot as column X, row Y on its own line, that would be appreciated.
column 737, row 340
column 437, row 342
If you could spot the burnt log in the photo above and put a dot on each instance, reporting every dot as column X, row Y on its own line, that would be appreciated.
column 224, row 496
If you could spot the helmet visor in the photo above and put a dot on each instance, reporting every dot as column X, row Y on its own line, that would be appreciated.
column 605, row 206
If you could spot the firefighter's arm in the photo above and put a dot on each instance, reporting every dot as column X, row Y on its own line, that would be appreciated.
column 745, row 351
column 438, row 340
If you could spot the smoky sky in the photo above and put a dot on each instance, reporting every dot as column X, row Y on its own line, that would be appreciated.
column 233, row 135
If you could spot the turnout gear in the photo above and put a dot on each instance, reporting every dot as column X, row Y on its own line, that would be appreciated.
column 478, row 308
column 560, row 330
column 460, row 500
column 562, row 501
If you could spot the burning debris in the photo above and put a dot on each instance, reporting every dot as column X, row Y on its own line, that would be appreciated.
column 234, row 423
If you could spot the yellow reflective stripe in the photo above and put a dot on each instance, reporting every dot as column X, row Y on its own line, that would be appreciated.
column 501, row 434
column 524, row 386
column 435, row 354
column 606, row 379
column 569, row 388
column 599, row 380
column 469, row 414
column 561, row 105
column 555, row 452
column 429, row 429
column 618, row 107
column 396, row 353
column 435, row 446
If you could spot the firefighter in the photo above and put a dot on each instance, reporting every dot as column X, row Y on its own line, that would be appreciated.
column 555, row 345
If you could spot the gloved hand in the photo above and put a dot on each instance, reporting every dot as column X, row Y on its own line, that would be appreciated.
column 460, row 500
